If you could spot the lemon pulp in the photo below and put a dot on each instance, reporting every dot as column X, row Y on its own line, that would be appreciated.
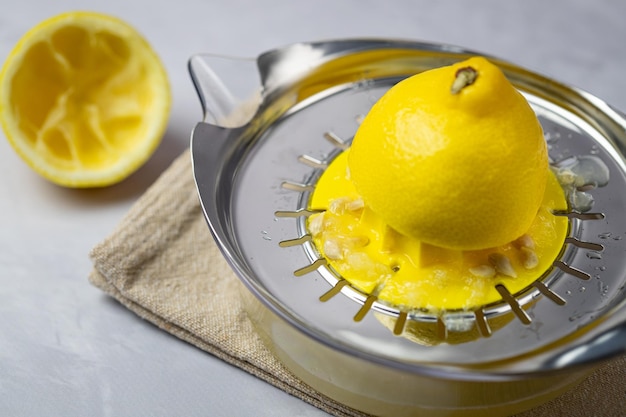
column 405, row 272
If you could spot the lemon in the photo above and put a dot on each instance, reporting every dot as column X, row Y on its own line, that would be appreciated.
column 445, row 195
column 84, row 99
column 454, row 157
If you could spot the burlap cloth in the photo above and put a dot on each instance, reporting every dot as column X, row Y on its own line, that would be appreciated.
column 162, row 263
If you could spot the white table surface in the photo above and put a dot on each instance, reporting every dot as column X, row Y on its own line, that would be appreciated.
column 66, row 349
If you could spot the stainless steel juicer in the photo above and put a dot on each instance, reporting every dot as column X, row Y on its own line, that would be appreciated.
column 255, row 179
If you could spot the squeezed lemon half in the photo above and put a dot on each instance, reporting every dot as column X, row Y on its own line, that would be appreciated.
column 443, row 195
column 84, row 99
column 461, row 170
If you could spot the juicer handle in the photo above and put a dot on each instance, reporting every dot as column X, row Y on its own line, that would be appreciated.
column 229, row 88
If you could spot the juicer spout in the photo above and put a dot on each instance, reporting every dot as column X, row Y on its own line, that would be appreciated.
column 229, row 88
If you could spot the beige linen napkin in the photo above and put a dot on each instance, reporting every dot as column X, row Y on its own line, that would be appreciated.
column 162, row 263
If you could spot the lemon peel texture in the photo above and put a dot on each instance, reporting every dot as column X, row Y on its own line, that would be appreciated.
column 464, row 170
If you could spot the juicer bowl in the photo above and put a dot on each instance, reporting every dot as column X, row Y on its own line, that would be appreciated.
column 256, row 162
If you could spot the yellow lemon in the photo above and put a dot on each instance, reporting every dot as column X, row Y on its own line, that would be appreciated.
column 453, row 157
column 445, row 196
column 84, row 99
